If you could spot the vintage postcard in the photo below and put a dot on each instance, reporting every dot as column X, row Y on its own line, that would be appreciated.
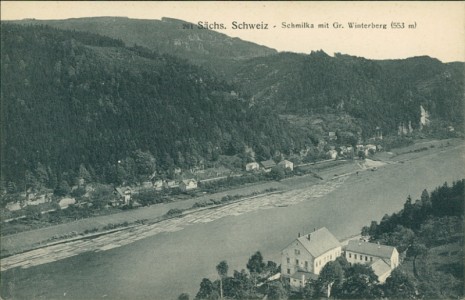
column 232, row 150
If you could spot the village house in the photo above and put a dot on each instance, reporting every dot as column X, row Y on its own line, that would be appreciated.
column 286, row 164
column 382, row 259
column 158, row 185
column 124, row 194
column 65, row 202
column 304, row 258
column 368, row 148
column 252, row 166
column 147, row 184
column 12, row 206
column 188, row 185
column 331, row 154
column 267, row 165
column 170, row 184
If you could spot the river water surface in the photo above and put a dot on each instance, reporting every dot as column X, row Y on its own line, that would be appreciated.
column 175, row 258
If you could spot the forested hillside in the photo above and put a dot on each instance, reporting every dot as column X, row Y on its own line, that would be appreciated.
column 429, row 232
column 78, row 104
column 216, row 51
column 378, row 93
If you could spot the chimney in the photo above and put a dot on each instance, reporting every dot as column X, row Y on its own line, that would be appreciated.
column 378, row 245
column 308, row 236
column 314, row 229
column 298, row 234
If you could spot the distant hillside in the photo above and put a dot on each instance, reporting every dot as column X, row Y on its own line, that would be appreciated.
column 79, row 102
column 378, row 93
column 381, row 94
column 200, row 46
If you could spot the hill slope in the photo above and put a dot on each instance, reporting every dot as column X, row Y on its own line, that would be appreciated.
column 216, row 51
column 72, row 99
column 378, row 93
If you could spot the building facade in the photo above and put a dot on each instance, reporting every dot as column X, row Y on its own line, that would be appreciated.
column 188, row 185
column 307, row 255
column 382, row 259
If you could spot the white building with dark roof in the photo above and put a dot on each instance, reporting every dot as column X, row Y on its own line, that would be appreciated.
column 267, row 165
column 382, row 259
column 307, row 255
column 286, row 164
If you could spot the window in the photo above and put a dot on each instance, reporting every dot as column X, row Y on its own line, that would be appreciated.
column 371, row 258
column 288, row 260
column 366, row 258
column 355, row 256
column 296, row 261
column 350, row 255
column 288, row 271
column 361, row 257
column 297, row 252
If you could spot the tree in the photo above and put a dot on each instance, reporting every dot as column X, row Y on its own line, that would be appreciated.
column 361, row 283
column 145, row 163
column 183, row 296
column 310, row 290
column 239, row 286
column 272, row 267
column 277, row 173
column 255, row 265
column 42, row 175
column 63, row 188
column 84, row 174
column 101, row 195
column 400, row 285
column 276, row 291
column 207, row 290
column 414, row 251
column 33, row 212
column 331, row 278
column 222, row 269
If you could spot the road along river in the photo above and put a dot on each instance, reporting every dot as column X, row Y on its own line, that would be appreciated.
column 162, row 260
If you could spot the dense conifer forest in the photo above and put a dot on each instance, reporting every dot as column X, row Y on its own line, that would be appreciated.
column 78, row 104
column 74, row 101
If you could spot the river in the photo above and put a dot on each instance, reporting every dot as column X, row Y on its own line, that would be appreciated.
column 163, row 265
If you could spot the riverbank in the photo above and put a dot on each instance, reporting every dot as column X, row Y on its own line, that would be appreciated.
column 87, row 228
column 162, row 260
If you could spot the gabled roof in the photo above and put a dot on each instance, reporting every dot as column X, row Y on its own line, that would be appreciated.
column 284, row 162
column 320, row 242
column 268, row 163
column 188, row 181
column 122, row 190
column 380, row 267
column 370, row 249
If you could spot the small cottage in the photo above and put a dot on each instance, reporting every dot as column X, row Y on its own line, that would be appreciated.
column 188, row 185
column 169, row 184
column 124, row 194
column 267, row 165
column 331, row 154
column 158, row 185
column 65, row 202
column 252, row 166
column 286, row 164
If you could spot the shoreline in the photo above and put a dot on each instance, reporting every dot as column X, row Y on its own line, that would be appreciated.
column 186, row 212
